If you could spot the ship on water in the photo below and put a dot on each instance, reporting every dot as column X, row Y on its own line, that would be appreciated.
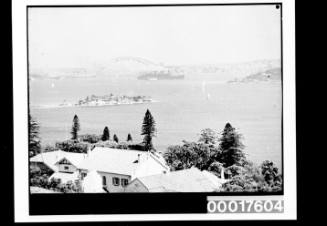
column 160, row 75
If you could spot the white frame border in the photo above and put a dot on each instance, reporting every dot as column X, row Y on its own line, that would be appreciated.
column 21, row 190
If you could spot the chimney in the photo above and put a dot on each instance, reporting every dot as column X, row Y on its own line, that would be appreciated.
column 138, row 158
column 58, row 155
column 88, row 151
column 222, row 173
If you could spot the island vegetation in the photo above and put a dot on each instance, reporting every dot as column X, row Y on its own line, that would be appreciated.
column 105, row 100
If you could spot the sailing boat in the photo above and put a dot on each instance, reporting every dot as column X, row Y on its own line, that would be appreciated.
column 204, row 91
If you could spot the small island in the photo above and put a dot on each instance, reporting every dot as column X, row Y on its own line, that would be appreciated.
column 105, row 100
column 160, row 75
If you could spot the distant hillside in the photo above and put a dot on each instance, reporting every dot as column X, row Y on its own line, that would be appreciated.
column 128, row 67
column 273, row 74
column 132, row 67
column 237, row 69
column 60, row 73
column 120, row 66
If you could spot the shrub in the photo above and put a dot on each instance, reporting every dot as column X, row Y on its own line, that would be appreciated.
column 269, row 171
column 138, row 147
column 39, row 180
column 53, row 183
column 72, row 146
column 216, row 168
column 34, row 170
column 251, row 178
column 90, row 138
column 112, row 144
column 49, row 148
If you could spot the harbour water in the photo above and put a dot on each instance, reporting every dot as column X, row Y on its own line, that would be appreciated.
column 184, row 108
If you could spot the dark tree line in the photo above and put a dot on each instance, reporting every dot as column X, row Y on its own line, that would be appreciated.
column 79, row 143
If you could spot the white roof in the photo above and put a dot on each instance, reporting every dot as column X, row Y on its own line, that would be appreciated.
column 188, row 180
column 51, row 158
column 111, row 160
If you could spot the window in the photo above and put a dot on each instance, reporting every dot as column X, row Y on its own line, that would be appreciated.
column 124, row 182
column 104, row 181
column 115, row 181
column 83, row 175
column 66, row 167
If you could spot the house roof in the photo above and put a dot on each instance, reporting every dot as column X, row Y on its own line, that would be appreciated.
column 51, row 158
column 188, row 180
column 114, row 160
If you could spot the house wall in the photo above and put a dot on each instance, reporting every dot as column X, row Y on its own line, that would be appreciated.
column 136, row 186
column 71, row 168
column 110, row 186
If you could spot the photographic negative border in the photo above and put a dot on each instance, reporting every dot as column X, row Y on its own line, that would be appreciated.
column 37, row 198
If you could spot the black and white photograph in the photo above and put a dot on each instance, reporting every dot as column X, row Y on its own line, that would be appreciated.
column 155, row 99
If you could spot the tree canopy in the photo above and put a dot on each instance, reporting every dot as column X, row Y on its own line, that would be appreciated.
column 191, row 154
column 208, row 136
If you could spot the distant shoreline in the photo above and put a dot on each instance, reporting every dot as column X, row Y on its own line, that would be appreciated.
column 90, row 106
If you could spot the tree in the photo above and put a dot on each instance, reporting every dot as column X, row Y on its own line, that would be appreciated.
column 231, row 147
column 270, row 172
column 129, row 137
column 148, row 130
column 34, row 140
column 208, row 136
column 253, row 179
column 116, row 138
column 106, row 134
column 190, row 154
column 75, row 128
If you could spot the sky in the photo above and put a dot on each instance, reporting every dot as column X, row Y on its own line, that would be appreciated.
column 75, row 37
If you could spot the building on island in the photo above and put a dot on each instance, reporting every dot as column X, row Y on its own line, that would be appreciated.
column 117, row 167
column 188, row 180
column 59, row 164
